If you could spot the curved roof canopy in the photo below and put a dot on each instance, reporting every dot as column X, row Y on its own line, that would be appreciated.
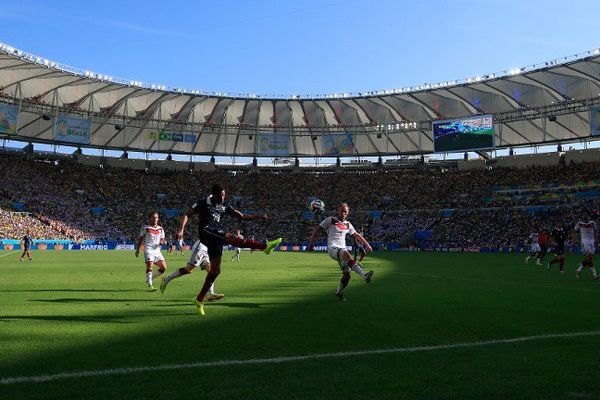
column 131, row 115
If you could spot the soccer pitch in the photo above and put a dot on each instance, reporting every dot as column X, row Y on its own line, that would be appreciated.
column 429, row 326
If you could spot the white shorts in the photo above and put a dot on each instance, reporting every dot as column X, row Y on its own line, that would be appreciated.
column 535, row 247
column 153, row 256
column 336, row 253
column 199, row 256
column 588, row 246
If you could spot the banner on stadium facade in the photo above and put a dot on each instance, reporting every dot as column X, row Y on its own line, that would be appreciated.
column 72, row 129
column 595, row 120
column 273, row 144
column 164, row 136
column 338, row 144
column 9, row 115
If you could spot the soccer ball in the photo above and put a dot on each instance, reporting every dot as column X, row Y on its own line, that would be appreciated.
column 316, row 206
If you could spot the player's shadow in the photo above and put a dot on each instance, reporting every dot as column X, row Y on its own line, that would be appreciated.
column 218, row 304
column 79, row 300
column 67, row 318
column 115, row 319
column 72, row 290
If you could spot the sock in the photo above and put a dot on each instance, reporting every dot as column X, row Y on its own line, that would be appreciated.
column 594, row 273
column 356, row 268
column 149, row 278
column 208, row 283
column 343, row 283
column 179, row 272
column 212, row 288
column 248, row 243
column 580, row 268
column 561, row 263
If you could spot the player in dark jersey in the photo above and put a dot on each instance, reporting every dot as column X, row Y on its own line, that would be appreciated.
column 544, row 241
column 25, row 244
column 211, row 234
column 559, row 236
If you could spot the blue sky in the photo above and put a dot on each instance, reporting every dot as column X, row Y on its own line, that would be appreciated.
column 299, row 47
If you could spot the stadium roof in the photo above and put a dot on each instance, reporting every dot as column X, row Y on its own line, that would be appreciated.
column 547, row 102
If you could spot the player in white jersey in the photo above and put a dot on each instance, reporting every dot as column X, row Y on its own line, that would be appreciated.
column 587, row 231
column 337, row 229
column 198, row 258
column 238, row 251
column 534, row 247
column 152, row 237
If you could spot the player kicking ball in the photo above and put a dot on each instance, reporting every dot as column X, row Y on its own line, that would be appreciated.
column 211, row 233
column 337, row 229
column 152, row 237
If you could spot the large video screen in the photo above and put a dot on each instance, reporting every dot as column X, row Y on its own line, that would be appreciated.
column 463, row 134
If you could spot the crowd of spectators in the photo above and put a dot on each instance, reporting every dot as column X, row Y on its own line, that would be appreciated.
column 66, row 199
column 15, row 225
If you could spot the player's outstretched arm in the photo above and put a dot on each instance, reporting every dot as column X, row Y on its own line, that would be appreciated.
column 313, row 237
column 361, row 239
column 249, row 217
column 184, row 220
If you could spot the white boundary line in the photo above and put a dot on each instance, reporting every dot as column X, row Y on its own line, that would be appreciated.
column 277, row 360
column 8, row 254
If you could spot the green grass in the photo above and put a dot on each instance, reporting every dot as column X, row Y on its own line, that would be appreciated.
column 79, row 311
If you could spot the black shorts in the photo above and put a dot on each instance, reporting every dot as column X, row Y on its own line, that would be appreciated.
column 213, row 239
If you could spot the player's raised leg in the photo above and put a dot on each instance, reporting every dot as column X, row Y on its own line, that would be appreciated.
column 266, row 246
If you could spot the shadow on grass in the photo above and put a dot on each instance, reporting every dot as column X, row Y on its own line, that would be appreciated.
column 116, row 319
column 80, row 300
column 71, row 290
column 312, row 321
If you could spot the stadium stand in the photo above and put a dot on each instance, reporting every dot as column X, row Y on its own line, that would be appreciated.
column 62, row 198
